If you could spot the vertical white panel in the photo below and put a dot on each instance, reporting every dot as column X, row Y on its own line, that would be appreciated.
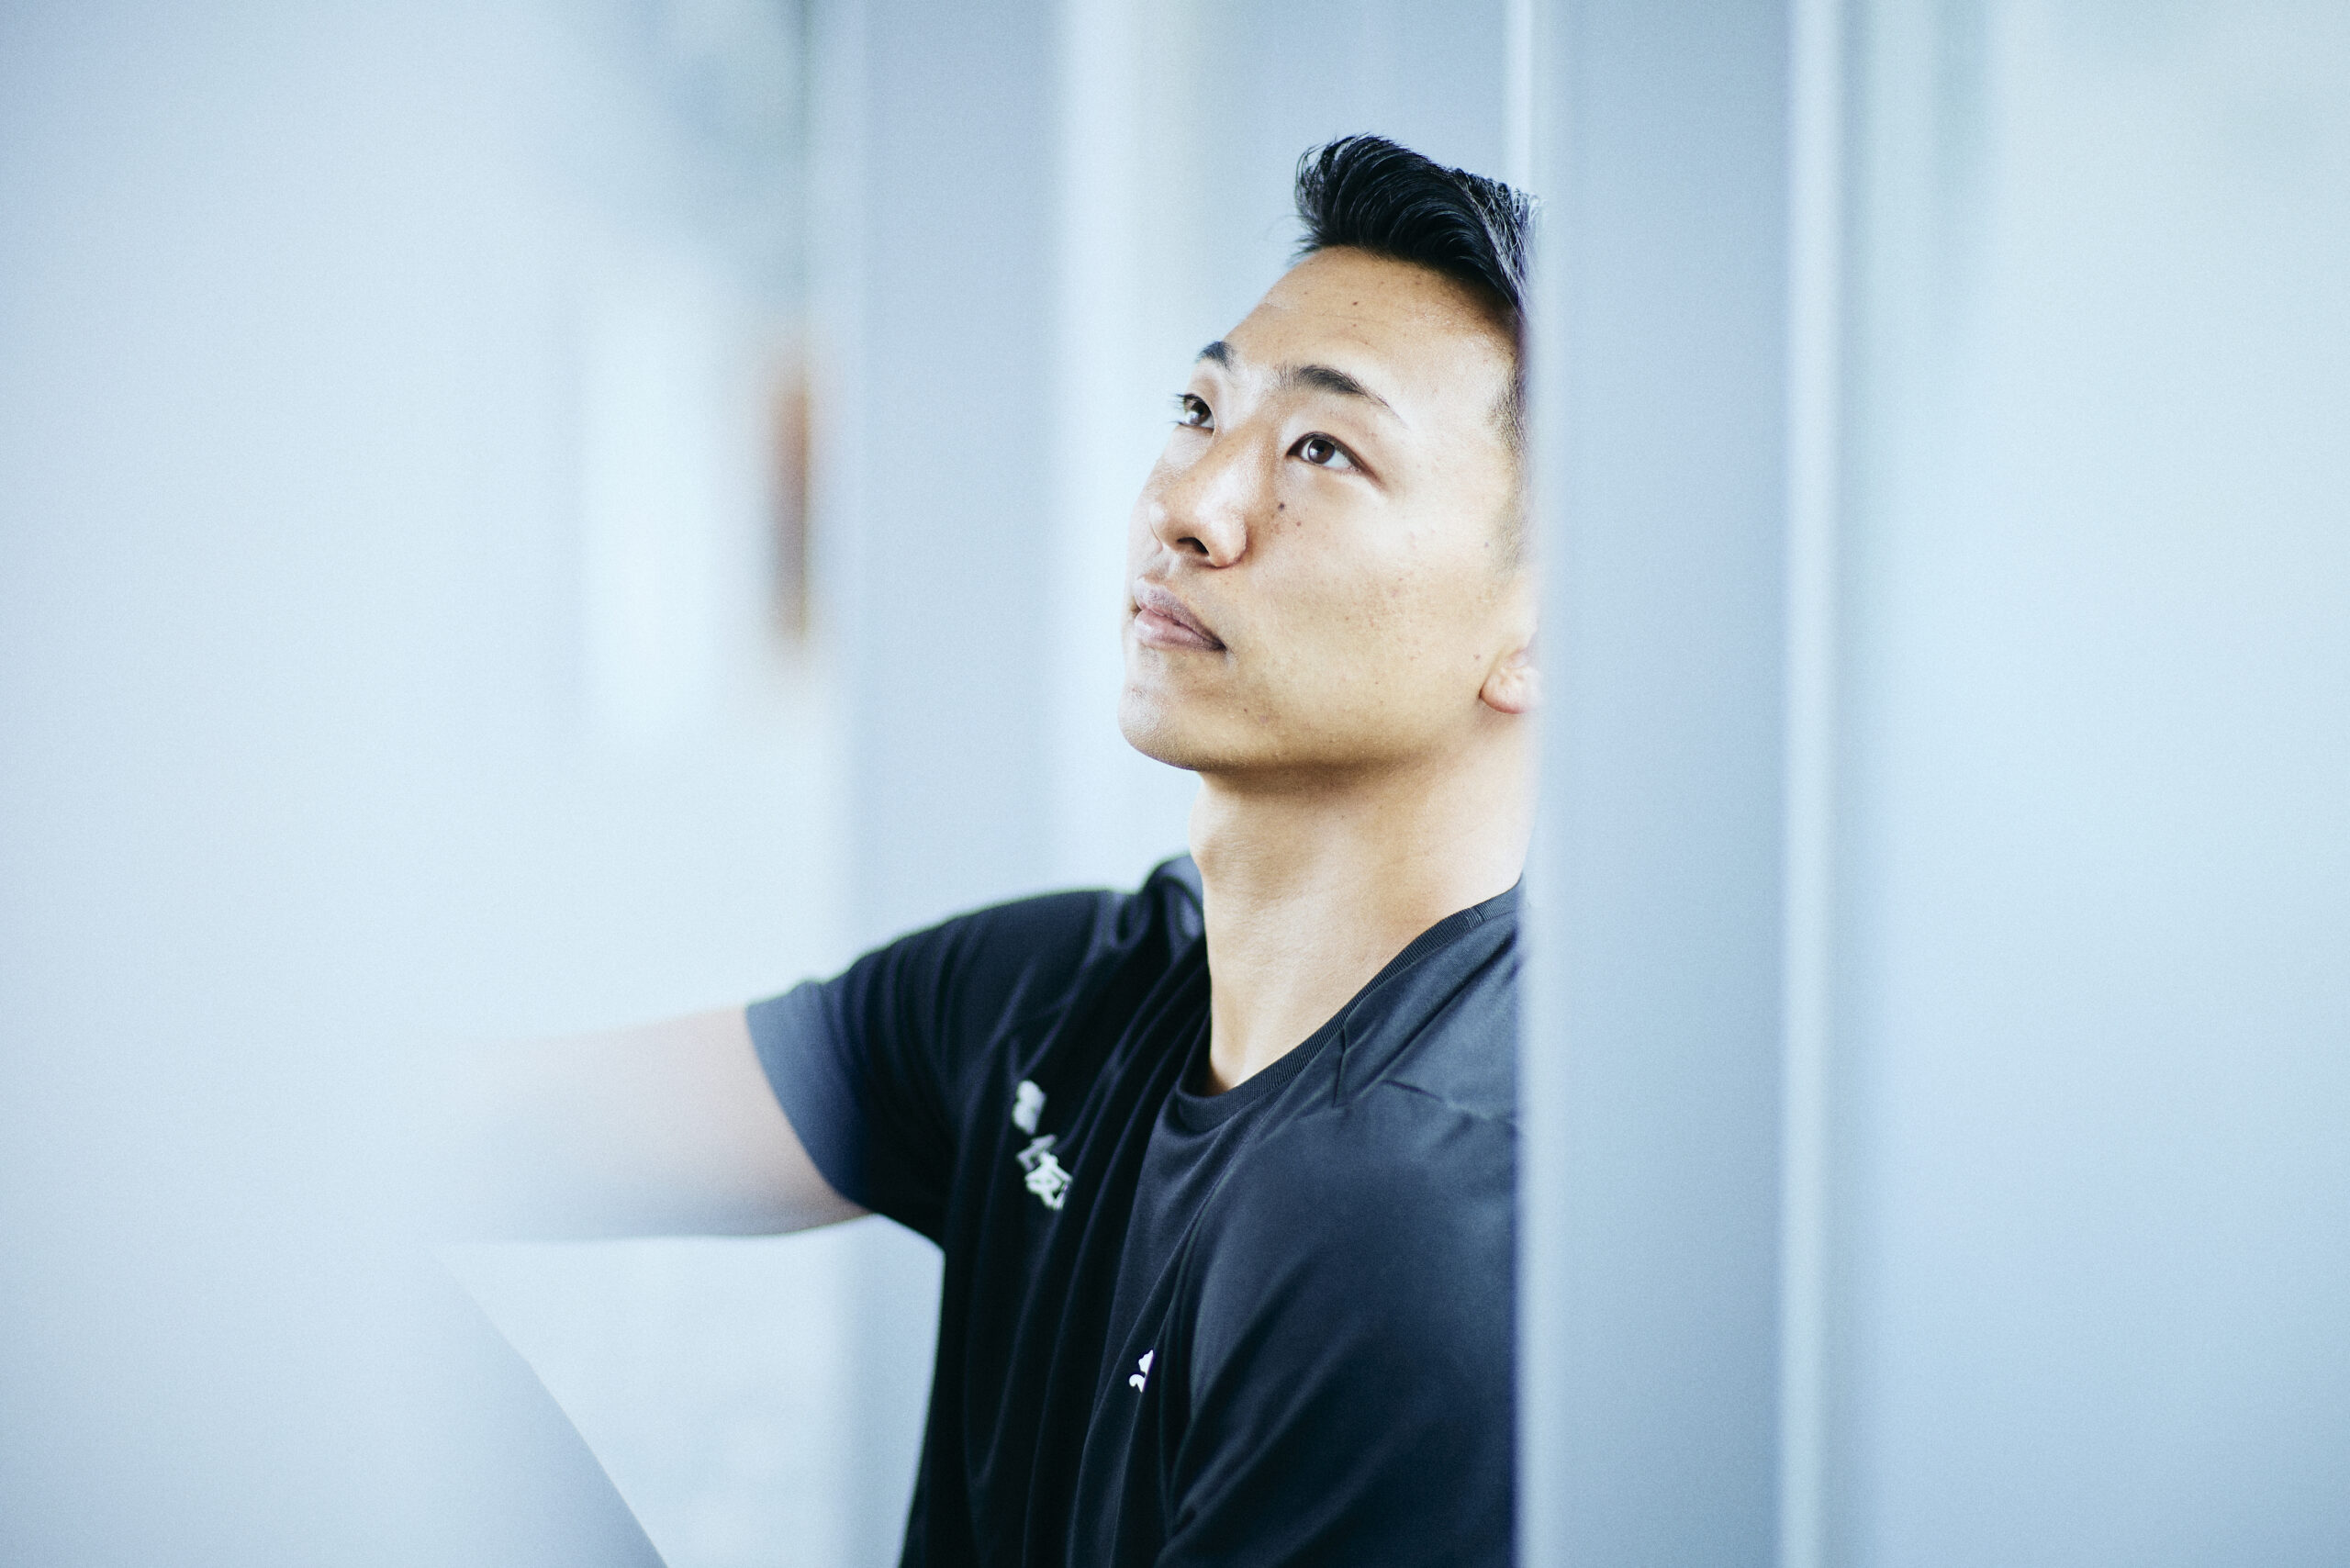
column 2092, row 1004
column 1816, row 156
column 1650, row 1069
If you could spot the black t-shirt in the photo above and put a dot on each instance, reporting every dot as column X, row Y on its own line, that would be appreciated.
column 1267, row 1326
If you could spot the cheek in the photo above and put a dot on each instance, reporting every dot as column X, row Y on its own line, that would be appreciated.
column 1339, row 628
column 1384, row 600
column 1409, row 632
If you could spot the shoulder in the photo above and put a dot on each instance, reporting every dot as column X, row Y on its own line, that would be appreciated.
column 1407, row 1150
column 1443, row 1027
column 1010, row 959
column 1387, row 1219
column 1382, row 1166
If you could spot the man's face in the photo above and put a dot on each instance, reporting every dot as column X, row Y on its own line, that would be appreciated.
column 1321, row 577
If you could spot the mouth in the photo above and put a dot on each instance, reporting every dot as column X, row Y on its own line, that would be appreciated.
column 1162, row 620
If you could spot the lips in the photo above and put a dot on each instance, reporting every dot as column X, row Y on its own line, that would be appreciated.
column 1162, row 620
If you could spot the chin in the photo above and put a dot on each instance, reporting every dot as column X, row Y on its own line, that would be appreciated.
column 1200, row 742
column 1148, row 726
column 1170, row 732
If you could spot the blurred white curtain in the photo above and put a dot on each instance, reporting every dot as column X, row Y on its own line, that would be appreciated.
column 300, row 771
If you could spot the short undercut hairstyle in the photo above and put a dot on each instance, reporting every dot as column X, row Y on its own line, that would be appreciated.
column 1367, row 193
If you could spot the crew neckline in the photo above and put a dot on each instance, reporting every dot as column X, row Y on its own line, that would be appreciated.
column 1198, row 1111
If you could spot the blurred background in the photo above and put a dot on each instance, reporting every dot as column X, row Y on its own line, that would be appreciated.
column 524, row 516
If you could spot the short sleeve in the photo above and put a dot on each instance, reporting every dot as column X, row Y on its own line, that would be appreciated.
column 876, row 1069
column 1350, row 1369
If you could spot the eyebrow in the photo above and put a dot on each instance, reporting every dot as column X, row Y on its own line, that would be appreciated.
column 1321, row 377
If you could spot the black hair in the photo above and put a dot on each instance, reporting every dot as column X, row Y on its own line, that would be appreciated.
column 1369, row 194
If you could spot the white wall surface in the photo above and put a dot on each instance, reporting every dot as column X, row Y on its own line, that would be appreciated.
column 2091, row 1019
column 2061, row 584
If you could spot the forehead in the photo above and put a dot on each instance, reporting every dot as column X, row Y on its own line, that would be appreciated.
column 1430, row 347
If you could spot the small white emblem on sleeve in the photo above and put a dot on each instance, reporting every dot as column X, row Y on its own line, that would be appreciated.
column 1140, row 1380
column 1045, row 1178
column 1028, row 1105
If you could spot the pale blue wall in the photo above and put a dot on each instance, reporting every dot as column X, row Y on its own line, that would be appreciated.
column 2092, row 1040
column 1965, row 673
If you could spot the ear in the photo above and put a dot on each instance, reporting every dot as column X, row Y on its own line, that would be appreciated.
column 1514, row 685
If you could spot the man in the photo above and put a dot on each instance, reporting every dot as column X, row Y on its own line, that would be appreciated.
column 1223, row 1168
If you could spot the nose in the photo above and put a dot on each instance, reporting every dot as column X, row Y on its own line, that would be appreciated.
column 1204, row 509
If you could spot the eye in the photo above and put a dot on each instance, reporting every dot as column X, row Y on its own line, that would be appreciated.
column 1192, row 412
column 1324, row 452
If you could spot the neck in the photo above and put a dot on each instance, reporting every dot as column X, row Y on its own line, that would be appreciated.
column 1311, row 889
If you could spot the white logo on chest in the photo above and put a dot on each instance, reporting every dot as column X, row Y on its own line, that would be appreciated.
column 1139, row 1380
column 1044, row 1174
column 1045, row 1178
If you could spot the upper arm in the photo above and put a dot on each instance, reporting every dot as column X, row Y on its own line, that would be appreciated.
column 662, row 1128
column 816, row 1105
column 879, row 1066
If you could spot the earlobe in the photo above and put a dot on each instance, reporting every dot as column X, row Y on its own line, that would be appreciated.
column 1513, row 686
